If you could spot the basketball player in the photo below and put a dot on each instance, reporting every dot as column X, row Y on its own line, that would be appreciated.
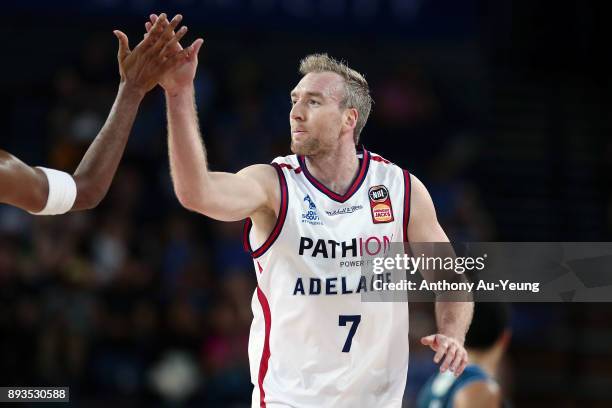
column 43, row 191
column 310, row 217
column 486, row 342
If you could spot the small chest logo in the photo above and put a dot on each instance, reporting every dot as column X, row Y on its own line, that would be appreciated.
column 309, row 215
column 380, row 204
column 345, row 210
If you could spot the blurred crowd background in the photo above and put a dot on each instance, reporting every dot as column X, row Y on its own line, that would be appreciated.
column 502, row 109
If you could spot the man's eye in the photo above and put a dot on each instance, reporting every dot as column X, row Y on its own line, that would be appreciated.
column 313, row 102
column 292, row 102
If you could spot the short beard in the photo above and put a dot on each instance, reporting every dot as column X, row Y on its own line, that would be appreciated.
column 309, row 147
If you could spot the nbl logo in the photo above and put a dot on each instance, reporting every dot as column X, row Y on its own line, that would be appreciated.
column 378, row 193
column 380, row 204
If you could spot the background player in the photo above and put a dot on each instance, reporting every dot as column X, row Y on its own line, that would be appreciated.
column 486, row 342
column 326, row 120
column 48, row 192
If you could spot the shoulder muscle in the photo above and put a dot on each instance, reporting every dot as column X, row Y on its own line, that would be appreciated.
column 479, row 394
column 423, row 225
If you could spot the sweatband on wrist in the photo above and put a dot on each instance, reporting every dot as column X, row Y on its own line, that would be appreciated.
column 62, row 192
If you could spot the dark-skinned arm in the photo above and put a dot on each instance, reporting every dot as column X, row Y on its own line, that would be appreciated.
column 27, row 187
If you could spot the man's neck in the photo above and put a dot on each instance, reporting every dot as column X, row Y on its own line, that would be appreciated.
column 488, row 361
column 336, row 169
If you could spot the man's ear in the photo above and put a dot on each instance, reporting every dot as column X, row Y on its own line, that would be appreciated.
column 350, row 118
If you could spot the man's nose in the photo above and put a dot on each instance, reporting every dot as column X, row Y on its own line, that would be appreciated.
column 297, row 112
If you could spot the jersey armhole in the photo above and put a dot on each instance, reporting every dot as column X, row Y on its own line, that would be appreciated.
column 406, row 215
column 280, row 220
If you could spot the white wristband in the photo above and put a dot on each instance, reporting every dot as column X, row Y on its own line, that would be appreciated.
column 62, row 192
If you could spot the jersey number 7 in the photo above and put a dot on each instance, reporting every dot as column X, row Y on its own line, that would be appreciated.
column 342, row 320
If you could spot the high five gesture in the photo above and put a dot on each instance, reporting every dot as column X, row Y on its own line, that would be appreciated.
column 47, row 191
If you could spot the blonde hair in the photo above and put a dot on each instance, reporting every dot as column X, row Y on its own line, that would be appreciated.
column 356, row 89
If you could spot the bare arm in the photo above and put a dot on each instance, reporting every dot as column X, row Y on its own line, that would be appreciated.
column 222, row 196
column 94, row 174
column 219, row 195
column 21, row 185
column 27, row 187
column 479, row 394
column 140, row 70
column 453, row 318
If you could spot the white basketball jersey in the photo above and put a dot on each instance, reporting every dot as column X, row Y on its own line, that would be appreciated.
column 313, row 342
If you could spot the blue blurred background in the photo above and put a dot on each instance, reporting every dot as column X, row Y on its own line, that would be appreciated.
column 501, row 108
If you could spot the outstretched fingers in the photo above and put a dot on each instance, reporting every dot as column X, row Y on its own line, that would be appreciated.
column 180, row 57
column 173, row 46
column 167, row 34
column 154, row 32
column 153, row 18
column 451, row 352
column 459, row 363
column 440, row 350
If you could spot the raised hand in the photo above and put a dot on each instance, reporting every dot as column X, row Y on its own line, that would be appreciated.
column 456, row 358
column 160, row 52
column 183, row 73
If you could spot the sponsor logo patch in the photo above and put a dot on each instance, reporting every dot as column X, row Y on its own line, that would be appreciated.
column 309, row 215
column 380, row 204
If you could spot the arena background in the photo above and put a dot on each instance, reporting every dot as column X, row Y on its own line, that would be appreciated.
column 502, row 109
